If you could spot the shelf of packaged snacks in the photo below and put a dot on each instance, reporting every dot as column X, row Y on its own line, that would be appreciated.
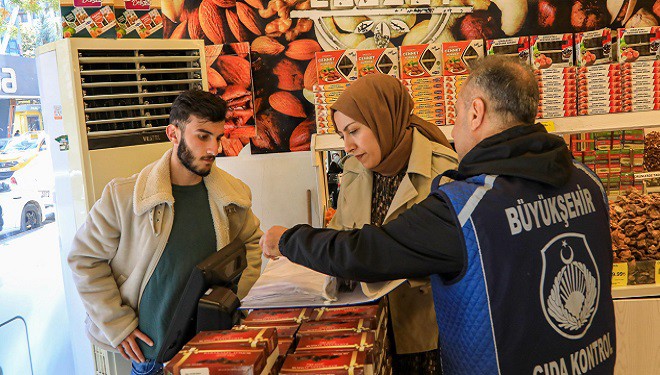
column 635, row 291
column 565, row 125
column 608, row 122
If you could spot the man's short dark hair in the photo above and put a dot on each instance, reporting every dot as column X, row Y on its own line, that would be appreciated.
column 202, row 104
column 511, row 88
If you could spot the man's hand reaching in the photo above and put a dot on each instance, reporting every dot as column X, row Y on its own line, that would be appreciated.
column 270, row 242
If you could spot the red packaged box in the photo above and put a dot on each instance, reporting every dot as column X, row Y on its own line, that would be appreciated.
column 336, row 68
column 285, row 341
column 594, row 47
column 516, row 48
column 283, row 330
column 559, row 82
column 228, row 362
column 339, row 341
column 327, row 363
column 639, row 43
column 553, row 50
column 323, row 327
column 558, row 90
column 599, row 111
column 297, row 315
column 342, row 342
column 263, row 338
column 285, row 346
column 459, row 57
column 556, row 114
column 382, row 60
column 420, row 61
column 609, row 70
column 429, row 99
column 428, row 83
column 577, row 155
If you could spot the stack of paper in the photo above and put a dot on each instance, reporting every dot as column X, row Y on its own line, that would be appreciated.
column 286, row 284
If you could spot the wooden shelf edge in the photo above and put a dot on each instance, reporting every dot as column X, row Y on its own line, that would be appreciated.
column 608, row 122
column 632, row 291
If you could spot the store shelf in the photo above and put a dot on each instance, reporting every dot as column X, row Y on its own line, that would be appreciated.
column 612, row 121
column 636, row 291
column 565, row 125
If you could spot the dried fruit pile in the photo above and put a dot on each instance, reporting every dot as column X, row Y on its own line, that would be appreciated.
column 652, row 151
column 635, row 226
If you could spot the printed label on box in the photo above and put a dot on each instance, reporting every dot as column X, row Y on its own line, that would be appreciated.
column 594, row 47
column 383, row 60
column 459, row 57
column 148, row 24
column 102, row 21
column 126, row 23
column 552, row 50
column 639, row 43
column 336, row 67
column 422, row 60
column 75, row 22
column 515, row 48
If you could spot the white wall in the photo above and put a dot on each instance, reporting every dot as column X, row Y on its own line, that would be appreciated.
column 279, row 184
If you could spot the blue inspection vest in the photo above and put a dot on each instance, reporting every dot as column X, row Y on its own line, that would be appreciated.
column 534, row 296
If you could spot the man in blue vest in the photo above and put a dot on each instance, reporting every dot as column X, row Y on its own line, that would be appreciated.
column 517, row 246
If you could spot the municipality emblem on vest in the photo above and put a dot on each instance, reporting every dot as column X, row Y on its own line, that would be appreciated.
column 570, row 285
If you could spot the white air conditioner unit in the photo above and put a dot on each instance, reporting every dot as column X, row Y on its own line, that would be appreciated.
column 106, row 105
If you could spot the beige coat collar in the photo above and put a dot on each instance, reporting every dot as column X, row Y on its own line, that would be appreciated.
column 154, row 186
column 420, row 163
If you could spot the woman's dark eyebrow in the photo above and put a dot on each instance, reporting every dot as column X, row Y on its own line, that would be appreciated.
column 349, row 124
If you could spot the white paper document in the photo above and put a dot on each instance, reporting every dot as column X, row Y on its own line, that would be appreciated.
column 286, row 284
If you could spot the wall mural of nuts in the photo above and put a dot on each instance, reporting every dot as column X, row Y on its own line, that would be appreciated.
column 285, row 34
column 229, row 77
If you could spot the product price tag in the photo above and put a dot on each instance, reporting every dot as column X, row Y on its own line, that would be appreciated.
column 620, row 274
column 647, row 175
column 549, row 125
column 657, row 272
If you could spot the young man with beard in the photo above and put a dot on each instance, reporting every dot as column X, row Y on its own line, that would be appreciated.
column 133, row 256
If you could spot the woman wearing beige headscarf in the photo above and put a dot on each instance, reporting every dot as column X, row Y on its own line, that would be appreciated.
column 396, row 156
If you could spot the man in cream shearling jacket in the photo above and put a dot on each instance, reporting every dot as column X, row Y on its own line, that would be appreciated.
column 132, row 257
